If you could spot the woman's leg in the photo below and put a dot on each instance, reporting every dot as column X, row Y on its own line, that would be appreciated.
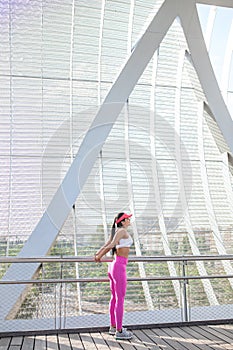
column 120, row 279
column 112, row 301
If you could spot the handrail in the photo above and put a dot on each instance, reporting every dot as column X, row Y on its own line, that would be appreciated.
column 109, row 259
column 132, row 279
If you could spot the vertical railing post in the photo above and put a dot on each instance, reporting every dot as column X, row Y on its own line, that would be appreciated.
column 42, row 290
column 55, row 305
column 60, row 296
column 185, row 282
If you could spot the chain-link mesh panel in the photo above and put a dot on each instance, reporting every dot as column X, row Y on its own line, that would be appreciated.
column 74, row 292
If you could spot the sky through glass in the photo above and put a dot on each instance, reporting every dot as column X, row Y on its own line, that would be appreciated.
column 220, row 45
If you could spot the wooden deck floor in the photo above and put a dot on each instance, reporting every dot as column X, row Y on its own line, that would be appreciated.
column 208, row 337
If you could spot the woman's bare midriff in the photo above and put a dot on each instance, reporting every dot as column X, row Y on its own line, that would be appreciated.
column 123, row 252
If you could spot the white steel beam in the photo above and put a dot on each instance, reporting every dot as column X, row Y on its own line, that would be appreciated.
column 201, row 61
column 227, row 64
column 222, row 3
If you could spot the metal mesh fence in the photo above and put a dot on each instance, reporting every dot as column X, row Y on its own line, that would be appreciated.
column 71, row 289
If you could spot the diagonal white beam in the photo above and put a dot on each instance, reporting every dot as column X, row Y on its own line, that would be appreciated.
column 222, row 3
column 52, row 220
column 227, row 64
column 201, row 61
column 210, row 26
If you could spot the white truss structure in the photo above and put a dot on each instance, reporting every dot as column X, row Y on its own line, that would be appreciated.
column 48, row 227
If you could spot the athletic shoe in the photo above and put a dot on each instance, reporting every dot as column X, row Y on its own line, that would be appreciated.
column 123, row 335
column 112, row 330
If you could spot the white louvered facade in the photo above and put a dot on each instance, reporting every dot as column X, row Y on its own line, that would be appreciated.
column 165, row 158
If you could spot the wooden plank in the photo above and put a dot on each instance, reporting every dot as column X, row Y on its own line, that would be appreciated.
column 87, row 341
column 224, row 329
column 121, row 344
column 111, row 341
column 127, row 344
column 51, row 342
column 16, row 343
column 99, row 341
column 174, row 344
column 190, row 338
column 150, row 340
column 181, row 337
column 64, row 342
column 224, row 339
column 138, row 343
column 212, row 340
column 207, row 338
column 76, row 342
column 40, row 342
column 28, row 343
column 4, row 343
column 224, row 326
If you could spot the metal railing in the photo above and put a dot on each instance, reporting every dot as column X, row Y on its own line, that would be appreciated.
column 57, row 295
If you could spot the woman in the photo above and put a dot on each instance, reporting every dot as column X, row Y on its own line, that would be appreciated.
column 119, row 242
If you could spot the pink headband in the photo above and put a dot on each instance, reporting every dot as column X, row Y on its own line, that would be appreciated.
column 122, row 217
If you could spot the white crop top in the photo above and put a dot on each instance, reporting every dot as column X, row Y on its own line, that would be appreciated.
column 125, row 242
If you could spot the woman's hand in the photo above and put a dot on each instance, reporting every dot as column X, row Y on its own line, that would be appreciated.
column 97, row 258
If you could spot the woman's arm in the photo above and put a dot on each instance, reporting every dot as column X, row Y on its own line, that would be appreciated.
column 109, row 245
column 103, row 247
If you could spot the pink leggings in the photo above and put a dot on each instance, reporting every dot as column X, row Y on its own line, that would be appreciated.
column 118, row 284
